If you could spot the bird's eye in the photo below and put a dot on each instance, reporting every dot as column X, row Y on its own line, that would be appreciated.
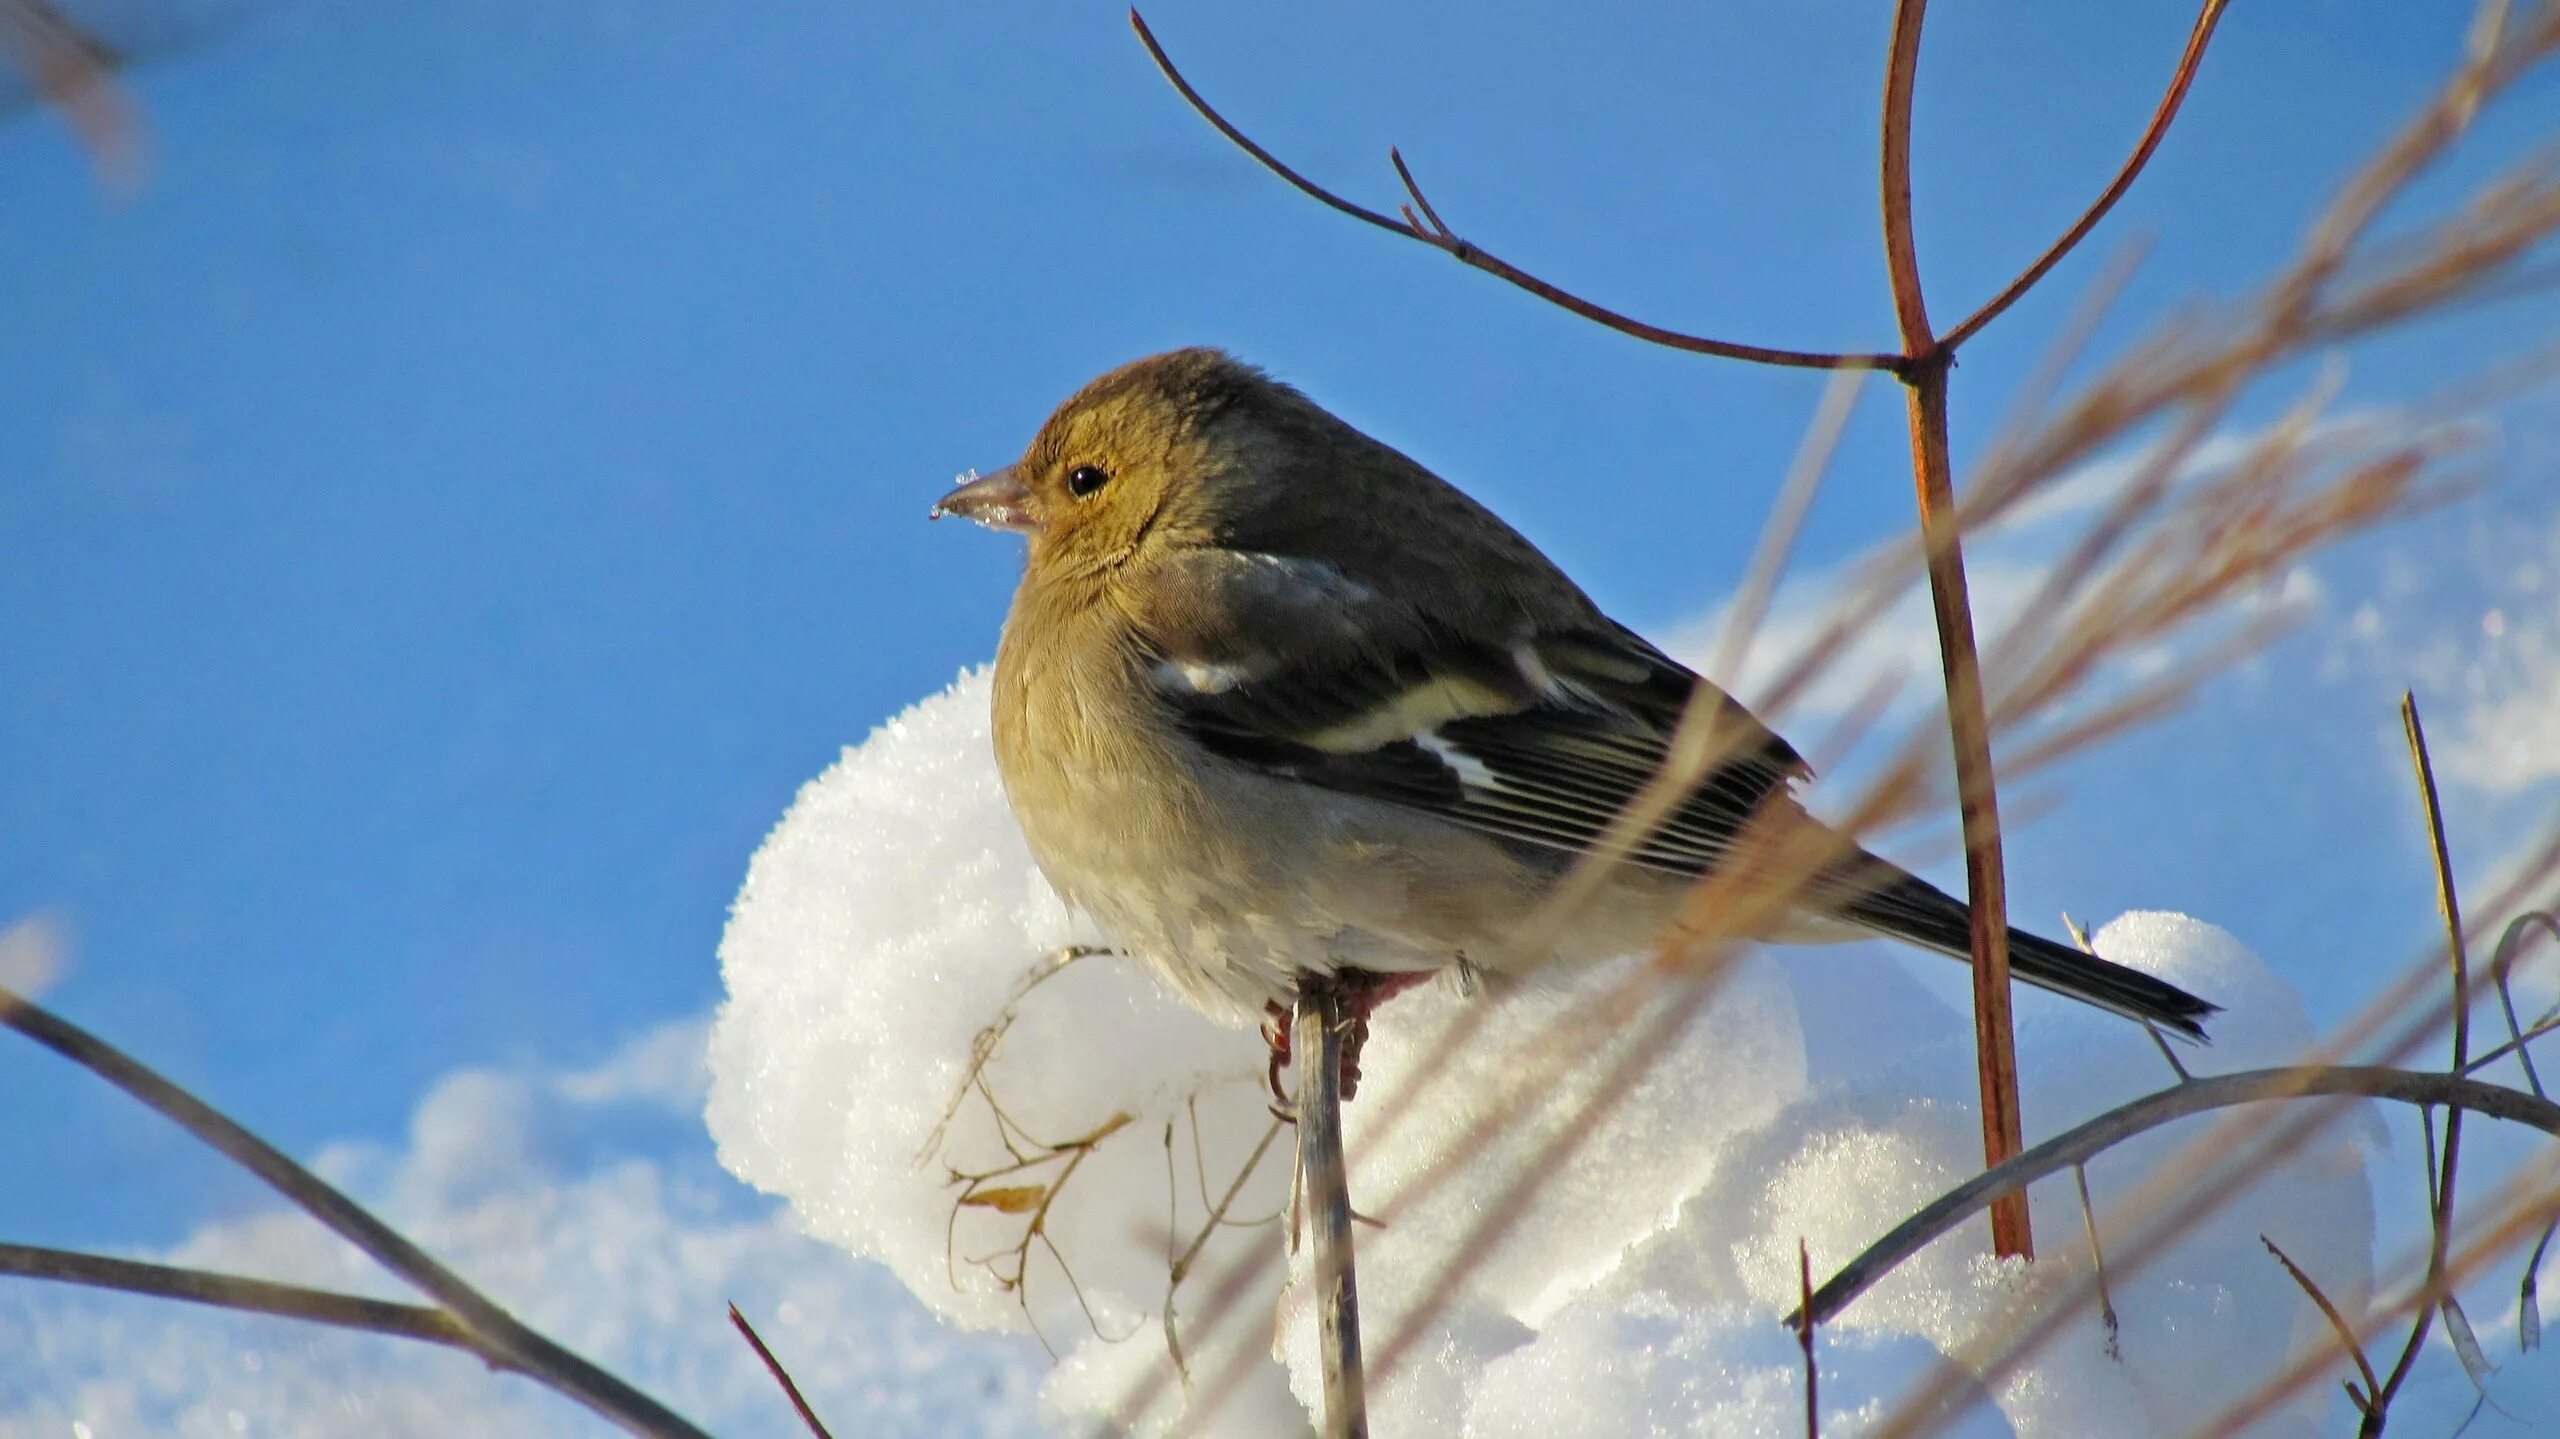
column 1083, row 480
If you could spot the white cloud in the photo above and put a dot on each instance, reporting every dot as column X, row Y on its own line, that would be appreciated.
column 2505, row 739
column 627, row 1252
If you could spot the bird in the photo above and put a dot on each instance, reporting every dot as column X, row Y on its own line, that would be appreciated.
column 1278, row 707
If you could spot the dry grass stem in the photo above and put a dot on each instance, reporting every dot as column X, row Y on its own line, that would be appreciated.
column 781, row 1376
column 2362, row 1398
column 2107, row 1319
column 2216, row 1168
column 249, row 1296
column 2441, row 1177
column 74, row 71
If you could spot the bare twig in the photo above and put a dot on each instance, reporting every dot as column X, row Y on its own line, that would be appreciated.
column 1011, row 1265
column 983, row 1045
column 1327, row 1181
column 2362, row 1398
column 2152, row 133
column 1804, row 1340
column 1437, row 236
column 781, row 1376
column 499, row 1333
column 250, row 1296
column 2097, row 1264
column 2078, row 1144
column 1180, row 1267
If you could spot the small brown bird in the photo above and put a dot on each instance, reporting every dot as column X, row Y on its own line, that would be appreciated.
column 1275, row 701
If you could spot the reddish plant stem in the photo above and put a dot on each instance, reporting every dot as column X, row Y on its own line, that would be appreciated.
column 1924, row 379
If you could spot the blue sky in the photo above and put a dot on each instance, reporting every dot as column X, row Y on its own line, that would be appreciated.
column 456, row 503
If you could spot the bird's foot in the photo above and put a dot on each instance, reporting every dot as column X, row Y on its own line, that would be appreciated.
column 1362, row 991
column 1359, row 992
column 1277, row 1030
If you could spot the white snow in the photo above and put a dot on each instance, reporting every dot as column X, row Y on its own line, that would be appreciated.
column 1820, row 1097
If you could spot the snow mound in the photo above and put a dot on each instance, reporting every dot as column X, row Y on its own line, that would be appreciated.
column 896, row 1016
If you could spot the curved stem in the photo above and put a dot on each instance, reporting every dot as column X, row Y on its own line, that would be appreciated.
column 2161, row 116
column 249, row 1296
column 2196, row 1096
column 1901, row 248
column 1438, row 236
column 1924, row 379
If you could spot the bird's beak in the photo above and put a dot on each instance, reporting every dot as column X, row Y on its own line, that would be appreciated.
column 998, row 499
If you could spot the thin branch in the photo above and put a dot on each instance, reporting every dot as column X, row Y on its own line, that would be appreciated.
column 977, row 1190
column 2097, row 1264
column 983, row 1045
column 1804, row 1340
column 2161, row 117
column 249, row 1296
column 1180, row 1267
column 499, row 1333
column 2364, row 1400
column 781, row 1376
column 1437, row 236
column 2078, row 1144
column 1901, row 249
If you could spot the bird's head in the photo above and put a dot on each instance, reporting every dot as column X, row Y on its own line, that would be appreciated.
column 1171, row 449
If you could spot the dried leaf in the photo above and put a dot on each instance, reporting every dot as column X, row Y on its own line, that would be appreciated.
column 1008, row 1199
column 2529, row 1316
column 2466, row 1345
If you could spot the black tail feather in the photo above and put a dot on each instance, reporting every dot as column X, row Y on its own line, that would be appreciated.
column 1911, row 909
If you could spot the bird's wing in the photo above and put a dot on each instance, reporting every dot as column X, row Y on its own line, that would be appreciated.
column 1540, row 736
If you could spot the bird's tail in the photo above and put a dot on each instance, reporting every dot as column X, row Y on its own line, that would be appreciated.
column 1911, row 909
